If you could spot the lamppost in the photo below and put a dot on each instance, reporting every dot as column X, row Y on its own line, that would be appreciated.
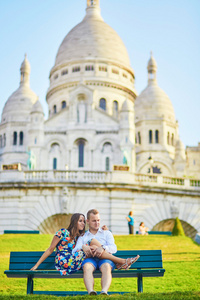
column 151, row 161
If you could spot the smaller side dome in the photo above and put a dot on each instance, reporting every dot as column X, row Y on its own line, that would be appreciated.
column 19, row 104
column 37, row 108
column 153, row 102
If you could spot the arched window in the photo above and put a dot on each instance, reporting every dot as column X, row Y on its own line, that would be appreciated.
column 115, row 108
column 172, row 140
column 55, row 156
column 64, row 104
column 157, row 136
column 54, row 109
column 107, row 164
column 81, row 154
column 150, row 137
column 107, row 147
column 139, row 138
column 102, row 103
column 15, row 138
column 54, row 163
column 21, row 138
column 168, row 141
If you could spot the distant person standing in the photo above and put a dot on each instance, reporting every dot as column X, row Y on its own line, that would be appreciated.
column 130, row 222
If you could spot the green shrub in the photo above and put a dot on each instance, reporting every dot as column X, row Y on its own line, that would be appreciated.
column 178, row 229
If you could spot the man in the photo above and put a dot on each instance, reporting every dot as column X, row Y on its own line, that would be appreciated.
column 92, row 263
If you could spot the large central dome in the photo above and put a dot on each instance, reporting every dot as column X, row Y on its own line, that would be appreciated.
column 92, row 39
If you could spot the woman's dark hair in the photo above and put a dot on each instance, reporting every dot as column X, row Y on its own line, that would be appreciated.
column 130, row 213
column 72, row 228
column 141, row 223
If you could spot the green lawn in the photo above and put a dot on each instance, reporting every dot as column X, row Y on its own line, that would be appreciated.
column 181, row 258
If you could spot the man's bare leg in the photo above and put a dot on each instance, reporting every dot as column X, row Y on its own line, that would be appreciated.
column 106, row 277
column 88, row 270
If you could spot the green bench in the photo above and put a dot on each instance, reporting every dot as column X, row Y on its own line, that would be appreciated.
column 158, row 232
column 21, row 232
column 148, row 265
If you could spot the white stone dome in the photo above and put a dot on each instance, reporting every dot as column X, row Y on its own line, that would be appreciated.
column 153, row 102
column 92, row 39
column 19, row 104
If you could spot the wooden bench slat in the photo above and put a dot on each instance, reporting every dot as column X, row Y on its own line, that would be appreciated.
column 46, row 266
column 120, row 253
column 97, row 274
column 51, row 259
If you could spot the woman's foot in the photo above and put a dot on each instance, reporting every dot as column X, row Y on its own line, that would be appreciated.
column 128, row 263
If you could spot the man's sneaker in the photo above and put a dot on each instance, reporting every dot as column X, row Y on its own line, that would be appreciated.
column 103, row 293
column 92, row 293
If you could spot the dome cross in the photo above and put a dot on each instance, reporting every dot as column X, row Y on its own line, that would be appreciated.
column 92, row 3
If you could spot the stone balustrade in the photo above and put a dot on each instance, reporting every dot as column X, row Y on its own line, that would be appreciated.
column 98, row 177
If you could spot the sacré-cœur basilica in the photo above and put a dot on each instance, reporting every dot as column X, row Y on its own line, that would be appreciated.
column 102, row 146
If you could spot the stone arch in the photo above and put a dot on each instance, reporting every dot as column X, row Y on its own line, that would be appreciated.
column 168, row 224
column 53, row 223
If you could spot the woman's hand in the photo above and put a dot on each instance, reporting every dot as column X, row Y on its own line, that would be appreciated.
column 34, row 268
column 104, row 227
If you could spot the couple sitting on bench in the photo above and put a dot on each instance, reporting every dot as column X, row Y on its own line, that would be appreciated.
column 76, row 249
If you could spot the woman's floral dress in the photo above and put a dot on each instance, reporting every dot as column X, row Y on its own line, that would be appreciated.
column 65, row 261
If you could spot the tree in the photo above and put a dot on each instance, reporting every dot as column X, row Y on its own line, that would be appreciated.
column 178, row 228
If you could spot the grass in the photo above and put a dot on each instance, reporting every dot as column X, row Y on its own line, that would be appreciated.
column 181, row 259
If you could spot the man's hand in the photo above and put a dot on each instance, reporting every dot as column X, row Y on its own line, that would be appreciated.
column 93, row 249
column 98, row 252
column 87, row 250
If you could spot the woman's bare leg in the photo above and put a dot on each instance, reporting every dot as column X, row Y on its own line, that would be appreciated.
column 106, row 255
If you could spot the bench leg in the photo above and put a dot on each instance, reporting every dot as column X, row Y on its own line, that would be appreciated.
column 140, row 283
column 29, row 285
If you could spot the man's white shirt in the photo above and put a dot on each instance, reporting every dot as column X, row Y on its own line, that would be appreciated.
column 105, row 237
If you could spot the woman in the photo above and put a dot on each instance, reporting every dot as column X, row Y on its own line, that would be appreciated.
column 65, row 240
column 142, row 229
column 130, row 222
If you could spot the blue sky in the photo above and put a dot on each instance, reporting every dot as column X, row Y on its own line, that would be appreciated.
column 169, row 28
